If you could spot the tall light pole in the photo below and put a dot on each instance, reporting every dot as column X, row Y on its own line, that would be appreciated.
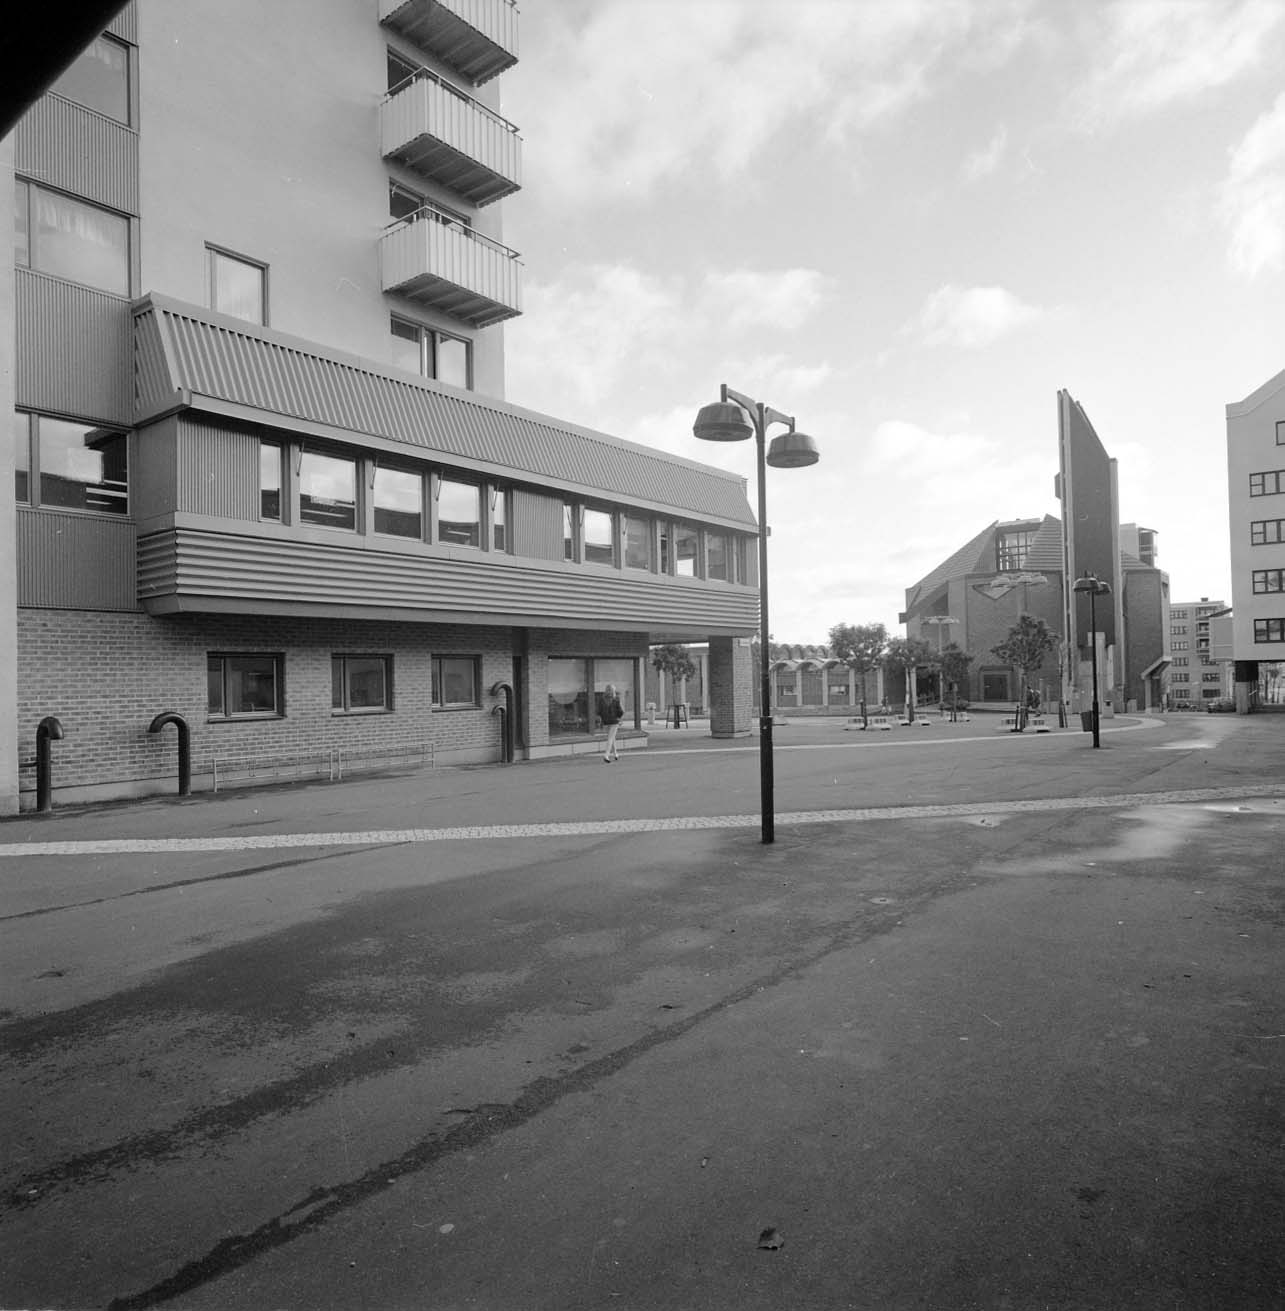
column 734, row 418
column 1094, row 587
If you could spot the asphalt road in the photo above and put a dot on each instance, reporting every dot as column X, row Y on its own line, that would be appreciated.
column 997, row 1022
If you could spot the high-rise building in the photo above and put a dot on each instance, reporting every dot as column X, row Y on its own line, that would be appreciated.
column 265, row 478
column 1198, row 672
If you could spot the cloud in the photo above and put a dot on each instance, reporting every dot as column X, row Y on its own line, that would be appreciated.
column 615, row 99
column 750, row 298
column 1159, row 53
column 971, row 317
column 982, row 163
column 1251, row 201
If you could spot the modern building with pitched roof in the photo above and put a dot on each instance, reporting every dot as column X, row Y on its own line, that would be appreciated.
column 265, row 478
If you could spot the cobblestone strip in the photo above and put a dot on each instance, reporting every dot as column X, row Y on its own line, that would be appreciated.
column 593, row 828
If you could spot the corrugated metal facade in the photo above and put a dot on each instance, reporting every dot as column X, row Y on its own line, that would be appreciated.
column 190, row 570
column 65, row 146
column 447, row 266
column 185, row 350
column 218, row 470
column 537, row 525
column 73, row 350
column 72, row 561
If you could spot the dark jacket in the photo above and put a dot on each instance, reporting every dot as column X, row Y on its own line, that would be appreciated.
column 612, row 713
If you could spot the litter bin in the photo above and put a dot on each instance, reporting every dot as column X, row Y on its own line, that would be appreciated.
column 1086, row 720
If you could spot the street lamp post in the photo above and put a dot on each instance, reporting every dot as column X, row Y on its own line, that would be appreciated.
column 726, row 421
column 1094, row 587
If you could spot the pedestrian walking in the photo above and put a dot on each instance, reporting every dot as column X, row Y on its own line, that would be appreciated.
column 612, row 714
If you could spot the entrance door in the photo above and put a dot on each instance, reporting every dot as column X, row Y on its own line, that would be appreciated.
column 995, row 686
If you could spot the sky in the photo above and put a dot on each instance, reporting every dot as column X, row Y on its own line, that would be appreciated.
column 907, row 223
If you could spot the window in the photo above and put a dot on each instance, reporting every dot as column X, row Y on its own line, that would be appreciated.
column 99, row 79
column 432, row 354
column 1179, row 678
column 270, row 455
column 403, row 203
column 499, row 519
column 1211, row 678
column 599, row 535
column 637, row 543
column 1265, row 532
column 662, row 543
column 1269, row 630
column 1177, row 629
column 361, row 683
column 1178, row 614
column 459, row 519
column 238, row 286
column 245, row 686
column 400, row 70
column 1180, row 660
column 71, row 239
column 686, row 540
column 1280, row 432
column 1181, row 646
column 327, row 490
column 1265, row 580
column 1271, row 483
column 70, row 465
column 568, row 683
column 455, row 680
column 399, row 503
column 568, row 531
column 1012, row 548
column 717, row 557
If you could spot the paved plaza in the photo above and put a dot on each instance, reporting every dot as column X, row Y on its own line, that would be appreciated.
column 996, row 1022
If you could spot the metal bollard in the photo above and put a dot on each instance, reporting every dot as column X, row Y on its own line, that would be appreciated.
column 184, row 747
column 507, row 725
column 48, row 730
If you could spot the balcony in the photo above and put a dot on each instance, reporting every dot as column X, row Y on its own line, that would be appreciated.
column 434, row 259
column 479, row 38
column 449, row 137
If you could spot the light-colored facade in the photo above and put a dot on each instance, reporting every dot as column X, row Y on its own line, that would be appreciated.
column 1200, row 671
column 1256, row 518
column 264, row 475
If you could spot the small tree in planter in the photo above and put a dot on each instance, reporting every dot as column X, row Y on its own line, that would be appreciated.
column 861, row 648
column 954, row 670
column 1029, row 643
column 677, row 662
column 905, row 654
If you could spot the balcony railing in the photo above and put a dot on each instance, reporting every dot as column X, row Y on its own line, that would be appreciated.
column 433, row 258
column 447, row 136
column 479, row 38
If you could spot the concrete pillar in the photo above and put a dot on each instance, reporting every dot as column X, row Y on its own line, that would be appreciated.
column 8, row 516
column 731, row 681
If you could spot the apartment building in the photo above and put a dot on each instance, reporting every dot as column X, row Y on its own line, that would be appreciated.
column 1256, row 519
column 265, row 477
column 1197, row 673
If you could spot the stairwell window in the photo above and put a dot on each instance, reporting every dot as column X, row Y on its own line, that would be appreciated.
column 238, row 286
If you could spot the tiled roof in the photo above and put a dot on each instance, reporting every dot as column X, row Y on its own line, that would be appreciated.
column 188, row 356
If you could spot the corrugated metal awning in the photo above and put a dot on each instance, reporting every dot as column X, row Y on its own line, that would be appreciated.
column 189, row 357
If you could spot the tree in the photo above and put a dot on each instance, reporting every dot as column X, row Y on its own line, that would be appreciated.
column 905, row 654
column 954, row 670
column 1027, row 646
column 677, row 662
column 861, row 648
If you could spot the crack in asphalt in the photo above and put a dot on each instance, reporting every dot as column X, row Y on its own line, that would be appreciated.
column 486, row 1123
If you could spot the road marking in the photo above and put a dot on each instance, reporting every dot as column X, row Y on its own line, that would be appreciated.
column 601, row 827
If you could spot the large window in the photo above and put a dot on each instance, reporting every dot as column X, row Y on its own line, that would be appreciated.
column 1266, row 532
column 455, row 682
column 71, row 239
column 399, row 503
column 1269, row 630
column 637, row 542
column 327, row 490
column 245, row 686
column 99, row 79
column 1012, row 547
column 70, row 465
column 459, row 519
column 361, row 683
column 1269, row 483
column 238, row 286
column 568, row 684
column 432, row 354
column 686, row 542
column 270, row 480
column 599, row 537
column 1269, row 580
column 717, row 557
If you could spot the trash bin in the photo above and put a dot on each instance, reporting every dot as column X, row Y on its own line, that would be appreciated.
column 1086, row 720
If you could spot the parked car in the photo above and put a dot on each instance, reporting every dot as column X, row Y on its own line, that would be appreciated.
column 1222, row 706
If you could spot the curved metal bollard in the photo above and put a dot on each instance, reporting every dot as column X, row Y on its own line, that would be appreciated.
column 506, row 721
column 48, row 730
column 184, row 747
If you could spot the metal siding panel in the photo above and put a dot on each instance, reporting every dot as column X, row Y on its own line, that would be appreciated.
column 75, row 561
column 218, row 470
column 125, row 24
column 537, row 525
column 194, row 565
column 67, row 146
column 73, row 350
column 153, row 389
column 153, row 477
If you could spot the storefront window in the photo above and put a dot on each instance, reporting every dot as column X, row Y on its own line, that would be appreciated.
column 568, row 697
column 620, row 674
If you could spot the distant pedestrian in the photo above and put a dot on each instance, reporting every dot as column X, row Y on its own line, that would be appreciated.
column 612, row 714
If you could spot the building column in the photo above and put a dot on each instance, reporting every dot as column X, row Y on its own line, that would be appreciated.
column 730, row 686
column 8, row 516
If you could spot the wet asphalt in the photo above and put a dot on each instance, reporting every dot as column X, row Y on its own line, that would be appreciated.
column 996, row 1022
